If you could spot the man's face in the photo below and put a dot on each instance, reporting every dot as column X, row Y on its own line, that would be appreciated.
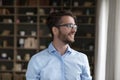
column 66, row 33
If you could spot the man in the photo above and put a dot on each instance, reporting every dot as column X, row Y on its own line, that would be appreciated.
column 59, row 61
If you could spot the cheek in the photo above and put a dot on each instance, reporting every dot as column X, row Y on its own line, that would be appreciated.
column 65, row 30
column 62, row 34
column 65, row 33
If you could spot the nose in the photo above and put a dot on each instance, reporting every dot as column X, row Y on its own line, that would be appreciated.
column 74, row 29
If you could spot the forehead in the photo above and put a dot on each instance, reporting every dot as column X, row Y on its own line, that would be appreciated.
column 67, row 19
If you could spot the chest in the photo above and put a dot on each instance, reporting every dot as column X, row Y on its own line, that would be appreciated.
column 61, row 69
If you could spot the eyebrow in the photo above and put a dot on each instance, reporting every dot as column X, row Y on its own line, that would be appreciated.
column 65, row 24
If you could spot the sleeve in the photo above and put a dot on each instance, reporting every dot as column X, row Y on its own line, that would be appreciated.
column 32, row 72
column 86, row 70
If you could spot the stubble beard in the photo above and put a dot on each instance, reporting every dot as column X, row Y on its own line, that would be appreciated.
column 65, row 38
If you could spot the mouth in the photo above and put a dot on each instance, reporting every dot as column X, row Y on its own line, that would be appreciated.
column 71, row 36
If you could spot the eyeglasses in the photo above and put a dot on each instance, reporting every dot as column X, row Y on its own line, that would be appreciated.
column 69, row 25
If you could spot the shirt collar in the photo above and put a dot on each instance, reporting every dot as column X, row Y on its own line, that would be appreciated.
column 52, row 49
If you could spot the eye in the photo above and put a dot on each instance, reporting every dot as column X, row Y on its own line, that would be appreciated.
column 69, row 25
column 72, row 26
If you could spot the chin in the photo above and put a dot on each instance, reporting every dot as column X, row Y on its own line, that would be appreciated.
column 71, row 41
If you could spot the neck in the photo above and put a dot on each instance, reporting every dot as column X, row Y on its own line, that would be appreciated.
column 60, row 47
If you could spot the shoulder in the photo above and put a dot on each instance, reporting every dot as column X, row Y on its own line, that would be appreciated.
column 40, row 59
column 79, row 55
column 39, row 56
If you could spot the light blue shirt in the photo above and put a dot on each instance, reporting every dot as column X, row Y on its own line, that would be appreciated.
column 50, row 65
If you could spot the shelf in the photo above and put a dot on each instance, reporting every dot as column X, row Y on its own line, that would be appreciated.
column 6, row 47
column 25, row 6
column 6, row 71
column 84, row 37
column 84, row 50
column 6, row 36
column 26, row 48
column 7, row 24
column 50, row 6
column 78, row 7
column 23, row 71
column 7, row 15
column 26, row 23
column 87, row 24
column 25, row 36
column 5, row 60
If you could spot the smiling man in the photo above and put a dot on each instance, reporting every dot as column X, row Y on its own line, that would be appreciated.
column 59, row 61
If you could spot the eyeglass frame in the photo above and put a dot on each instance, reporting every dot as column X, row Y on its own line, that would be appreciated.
column 69, row 25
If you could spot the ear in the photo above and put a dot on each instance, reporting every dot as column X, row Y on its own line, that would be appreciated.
column 55, row 30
